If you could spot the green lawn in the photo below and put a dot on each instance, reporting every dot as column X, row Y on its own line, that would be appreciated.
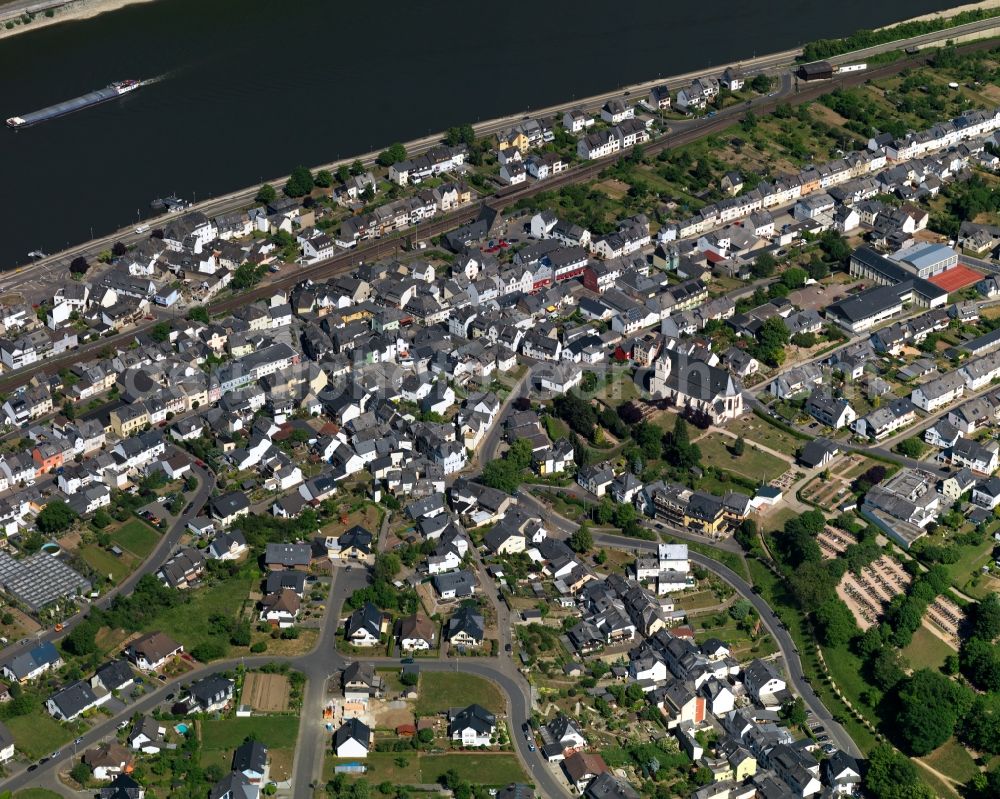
column 440, row 690
column 753, row 464
column 952, row 759
column 846, row 673
column 104, row 563
column 137, row 537
column 926, row 650
column 485, row 769
column 382, row 766
column 189, row 622
column 227, row 734
column 753, row 428
column 36, row 793
column 777, row 519
column 38, row 734
column 498, row 768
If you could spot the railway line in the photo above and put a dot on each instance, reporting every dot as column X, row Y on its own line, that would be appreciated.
column 791, row 92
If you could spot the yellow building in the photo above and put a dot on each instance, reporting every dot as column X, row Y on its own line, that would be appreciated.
column 128, row 419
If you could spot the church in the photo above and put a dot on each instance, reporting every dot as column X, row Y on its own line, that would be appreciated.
column 690, row 383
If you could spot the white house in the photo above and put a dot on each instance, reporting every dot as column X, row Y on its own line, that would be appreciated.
column 472, row 726
column 352, row 739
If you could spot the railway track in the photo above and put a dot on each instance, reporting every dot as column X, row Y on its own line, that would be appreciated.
column 380, row 248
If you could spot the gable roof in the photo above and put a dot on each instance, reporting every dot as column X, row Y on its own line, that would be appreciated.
column 474, row 717
column 352, row 729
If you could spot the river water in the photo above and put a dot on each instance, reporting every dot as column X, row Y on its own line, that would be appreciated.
column 249, row 89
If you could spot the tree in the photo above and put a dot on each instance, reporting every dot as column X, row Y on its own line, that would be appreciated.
column 343, row 173
column 678, row 449
column 80, row 773
column 887, row 668
column 794, row 277
column 241, row 634
column 55, row 517
column 981, row 727
column 198, row 313
column 463, row 134
column 323, row 179
column 357, row 168
column 817, row 269
column 749, row 121
column 980, row 662
column 891, row 775
column 247, row 275
column 160, row 332
column 299, row 183
column 649, row 437
column 69, row 410
column 794, row 711
column 79, row 265
column 581, row 540
column 835, row 247
column 771, row 341
column 812, row 584
column 266, row 194
column 392, row 155
column 101, row 519
column 835, row 622
column 387, row 566
column 82, row 639
column 761, row 83
column 910, row 447
column 763, row 265
column 985, row 617
column 931, row 705
column 739, row 446
column 208, row 651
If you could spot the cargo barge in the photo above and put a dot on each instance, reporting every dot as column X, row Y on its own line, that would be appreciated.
column 116, row 89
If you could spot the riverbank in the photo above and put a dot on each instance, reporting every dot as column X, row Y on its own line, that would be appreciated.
column 61, row 11
column 948, row 13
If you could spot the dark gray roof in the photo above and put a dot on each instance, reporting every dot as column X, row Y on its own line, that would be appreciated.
column 250, row 756
column 352, row 729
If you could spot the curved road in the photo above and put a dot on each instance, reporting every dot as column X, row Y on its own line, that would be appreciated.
column 793, row 666
column 318, row 665
column 164, row 548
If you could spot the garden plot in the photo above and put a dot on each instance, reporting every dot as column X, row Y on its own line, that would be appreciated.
column 266, row 693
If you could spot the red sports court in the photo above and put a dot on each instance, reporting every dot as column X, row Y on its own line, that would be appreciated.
column 956, row 278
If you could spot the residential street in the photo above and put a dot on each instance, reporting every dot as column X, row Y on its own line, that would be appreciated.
column 166, row 546
column 789, row 653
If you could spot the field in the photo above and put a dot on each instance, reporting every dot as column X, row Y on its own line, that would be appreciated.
column 753, row 464
column 440, row 690
column 105, row 564
column 752, row 428
column 951, row 758
column 485, row 768
column 189, row 623
column 272, row 731
column 266, row 693
column 369, row 517
column 137, row 537
column 38, row 734
column 926, row 650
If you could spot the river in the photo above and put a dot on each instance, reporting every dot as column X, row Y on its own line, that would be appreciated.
column 248, row 89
